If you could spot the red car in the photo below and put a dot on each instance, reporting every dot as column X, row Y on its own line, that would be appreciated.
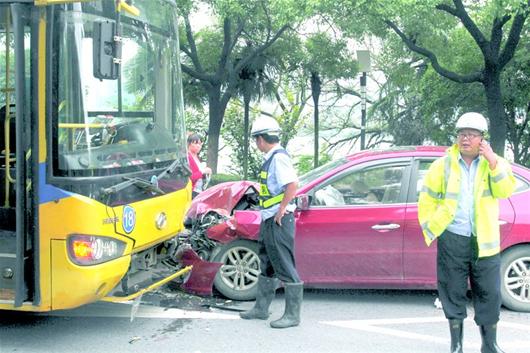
column 357, row 227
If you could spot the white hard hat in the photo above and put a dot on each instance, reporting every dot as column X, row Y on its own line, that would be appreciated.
column 472, row 121
column 265, row 125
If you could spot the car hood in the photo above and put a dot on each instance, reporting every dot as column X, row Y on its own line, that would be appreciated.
column 222, row 198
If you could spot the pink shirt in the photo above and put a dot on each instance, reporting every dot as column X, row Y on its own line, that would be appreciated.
column 196, row 173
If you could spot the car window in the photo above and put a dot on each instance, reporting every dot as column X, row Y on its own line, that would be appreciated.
column 318, row 172
column 520, row 184
column 374, row 185
column 422, row 171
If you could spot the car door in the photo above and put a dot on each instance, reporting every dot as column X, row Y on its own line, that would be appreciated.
column 419, row 260
column 351, row 235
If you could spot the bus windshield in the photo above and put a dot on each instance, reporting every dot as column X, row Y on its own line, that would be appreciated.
column 134, row 120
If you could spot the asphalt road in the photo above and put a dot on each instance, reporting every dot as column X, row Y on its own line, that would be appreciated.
column 361, row 321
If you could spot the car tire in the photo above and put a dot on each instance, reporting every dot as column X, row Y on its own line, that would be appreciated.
column 237, row 278
column 515, row 278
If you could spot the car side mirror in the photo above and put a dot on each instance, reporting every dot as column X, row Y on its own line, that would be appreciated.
column 303, row 201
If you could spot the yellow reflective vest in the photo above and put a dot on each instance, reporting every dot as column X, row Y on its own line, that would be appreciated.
column 266, row 199
column 438, row 199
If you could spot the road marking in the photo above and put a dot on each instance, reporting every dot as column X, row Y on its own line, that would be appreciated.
column 375, row 326
column 102, row 309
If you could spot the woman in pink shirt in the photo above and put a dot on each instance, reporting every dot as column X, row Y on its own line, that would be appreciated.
column 199, row 170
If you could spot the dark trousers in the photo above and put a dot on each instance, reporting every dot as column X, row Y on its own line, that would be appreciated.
column 276, row 249
column 458, row 262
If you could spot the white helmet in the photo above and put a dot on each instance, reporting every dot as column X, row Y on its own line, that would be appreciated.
column 265, row 125
column 472, row 121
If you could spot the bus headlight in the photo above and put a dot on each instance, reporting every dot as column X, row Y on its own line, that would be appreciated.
column 91, row 250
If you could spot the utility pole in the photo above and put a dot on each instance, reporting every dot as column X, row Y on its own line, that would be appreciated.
column 363, row 111
column 363, row 58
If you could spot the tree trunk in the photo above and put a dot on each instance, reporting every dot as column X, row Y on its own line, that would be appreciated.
column 216, row 112
column 315, row 91
column 497, row 128
column 246, row 99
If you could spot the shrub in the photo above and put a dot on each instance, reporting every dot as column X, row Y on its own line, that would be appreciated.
column 221, row 178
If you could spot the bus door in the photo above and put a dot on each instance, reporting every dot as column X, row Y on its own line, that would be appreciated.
column 18, row 155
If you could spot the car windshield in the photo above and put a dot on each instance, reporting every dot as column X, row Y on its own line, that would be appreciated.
column 108, row 125
column 318, row 172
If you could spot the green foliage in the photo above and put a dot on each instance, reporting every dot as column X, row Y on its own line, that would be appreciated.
column 290, row 120
column 139, row 79
column 11, row 67
column 516, row 83
column 258, row 13
column 216, row 57
column 223, row 178
column 329, row 57
column 305, row 164
column 233, row 134
column 416, row 102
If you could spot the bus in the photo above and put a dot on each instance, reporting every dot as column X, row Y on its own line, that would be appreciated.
column 93, row 169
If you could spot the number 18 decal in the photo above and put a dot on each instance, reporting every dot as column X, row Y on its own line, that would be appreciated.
column 129, row 219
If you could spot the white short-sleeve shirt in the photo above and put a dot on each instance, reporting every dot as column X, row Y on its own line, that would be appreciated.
column 281, row 172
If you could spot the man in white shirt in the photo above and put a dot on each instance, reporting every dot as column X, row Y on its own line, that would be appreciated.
column 278, row 185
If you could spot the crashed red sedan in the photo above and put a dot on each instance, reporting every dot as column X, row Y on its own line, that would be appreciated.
column 357, row 227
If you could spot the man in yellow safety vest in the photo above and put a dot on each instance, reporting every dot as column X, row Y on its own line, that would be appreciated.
column 458, row 205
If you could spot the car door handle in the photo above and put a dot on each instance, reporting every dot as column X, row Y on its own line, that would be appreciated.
column 502, row 222
column 390, row 226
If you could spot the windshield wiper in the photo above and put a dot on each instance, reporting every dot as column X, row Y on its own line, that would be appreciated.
column 144, row 184
column 141, row 183
column 177, row 163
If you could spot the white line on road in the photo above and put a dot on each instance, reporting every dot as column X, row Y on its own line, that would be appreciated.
column 374, row 325
column 388, row 331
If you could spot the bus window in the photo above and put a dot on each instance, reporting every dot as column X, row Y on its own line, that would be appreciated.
column 116, row 126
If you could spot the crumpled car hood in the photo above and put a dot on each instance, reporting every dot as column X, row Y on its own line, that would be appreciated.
column 221, row 197
column 244, row 224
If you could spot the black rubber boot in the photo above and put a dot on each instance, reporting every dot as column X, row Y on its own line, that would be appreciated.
column 293, row 303
column 456, row 327
column 265, row 294
column 489, row 339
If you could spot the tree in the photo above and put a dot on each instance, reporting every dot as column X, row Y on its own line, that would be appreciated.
column 423, row 26
column 252, row 25
column 327, row 59
column 233, row 133
column 418, row 104
column 517, row 103
column 253, row 80
column 291, row 99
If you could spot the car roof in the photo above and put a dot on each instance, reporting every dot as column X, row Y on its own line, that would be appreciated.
column 375, row 154
column 399, row 151
column 413, row 151
column 394, row 152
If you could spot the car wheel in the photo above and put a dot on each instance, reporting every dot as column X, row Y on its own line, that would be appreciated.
column 515, row 278
column 238, row 276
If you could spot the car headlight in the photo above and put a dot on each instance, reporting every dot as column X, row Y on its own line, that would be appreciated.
column 91, row 250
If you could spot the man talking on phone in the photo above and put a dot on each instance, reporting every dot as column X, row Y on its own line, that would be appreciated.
column 458, row 205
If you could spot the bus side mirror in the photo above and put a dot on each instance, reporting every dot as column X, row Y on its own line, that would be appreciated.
column 106, row 51
column 303, row 201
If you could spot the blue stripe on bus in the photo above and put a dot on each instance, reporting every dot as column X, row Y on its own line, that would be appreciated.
column 49, row 192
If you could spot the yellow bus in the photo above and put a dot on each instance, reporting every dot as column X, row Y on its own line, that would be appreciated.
column 93, row 169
